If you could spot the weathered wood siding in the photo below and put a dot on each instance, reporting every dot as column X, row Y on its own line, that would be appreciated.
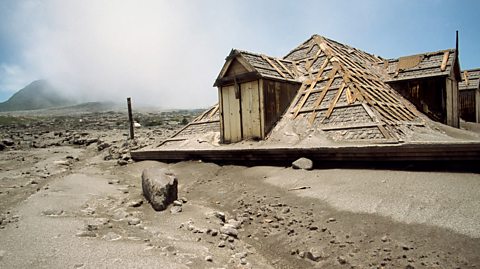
column 235, row 68
column 467, row 105
column 232, row 131
column 277, row 96
column 250, row 108
column 429, row 95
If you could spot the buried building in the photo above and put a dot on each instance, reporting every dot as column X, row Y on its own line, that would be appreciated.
column 326, row 94
column 470, row 95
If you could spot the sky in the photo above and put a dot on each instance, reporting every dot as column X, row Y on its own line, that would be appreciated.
column 169, row 53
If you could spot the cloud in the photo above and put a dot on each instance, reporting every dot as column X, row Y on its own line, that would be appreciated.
column 157, row 52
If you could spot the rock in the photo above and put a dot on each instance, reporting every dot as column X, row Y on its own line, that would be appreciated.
column 111, row 236
column 175, row 209
column 384, row 238
column 314, row 254
column 409, row 266
column 209, row 258
column 159, row 187
column 52, row 212
column 2, row 254
column 7, row 142
column 177, row 203
column 136, row 203
column 86, row 234
column 303, row 163
column 341, row 260
column 122, row 162
column 234, row 223
column 114, row 181
column 103, row 146
column 229, row 230
column 133, row 221
column 331, row 220
column 221, row 244
column 220, row 215
column 2, row 146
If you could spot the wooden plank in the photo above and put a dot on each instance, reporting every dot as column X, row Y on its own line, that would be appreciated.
column 312, row 85
column 440, row 154
column 273, row 65
column 322, row 95
column 335, row 100
column 353, row 126
column 444, row 60
column 214, row 110
column 284, row 67
column 250, row 102
column 303, row 111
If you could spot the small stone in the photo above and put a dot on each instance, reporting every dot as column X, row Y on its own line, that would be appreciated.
column 220, row 215
column 177, row 203
column 2, row 254
column 136, row 203
column 303, row 163
column 175, row 209
column 78, row 265
column 209, row 258
column 122, row 162
column 33, row 182
column 229, row 230
column 341, row 260
column 113, row 181
column 384, row 238
column 221, row 244
column 314, row 254
column 331, row 220
column 214, row 232
column 134, row 221
column 52, row 212
column 86, row 234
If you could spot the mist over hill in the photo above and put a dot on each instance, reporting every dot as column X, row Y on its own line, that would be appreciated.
column 37, row 95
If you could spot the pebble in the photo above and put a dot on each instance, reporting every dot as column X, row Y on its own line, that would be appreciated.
column 221, row 244
column 209, row 258
column 341, row 260
column 177, row 203
column 175, row 209
column 136, row 203
column 331, row 220
column 133, row 221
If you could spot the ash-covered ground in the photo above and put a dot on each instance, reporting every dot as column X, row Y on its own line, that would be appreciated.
column 70, row 197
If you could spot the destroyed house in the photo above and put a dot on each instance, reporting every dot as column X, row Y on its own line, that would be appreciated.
column 469, row 96
column 345, row 93
column 430, row 82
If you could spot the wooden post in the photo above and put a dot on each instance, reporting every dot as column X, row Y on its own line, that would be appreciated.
column 130, row 117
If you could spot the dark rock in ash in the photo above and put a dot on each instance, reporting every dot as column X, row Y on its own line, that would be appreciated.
column 303, row 163
column 7, row 142
column 159, row 187
column 103, row 146
column 2, row 146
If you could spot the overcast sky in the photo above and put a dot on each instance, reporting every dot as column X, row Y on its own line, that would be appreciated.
column 168, row 53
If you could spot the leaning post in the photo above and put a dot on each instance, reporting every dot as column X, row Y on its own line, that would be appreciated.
column 130, row 117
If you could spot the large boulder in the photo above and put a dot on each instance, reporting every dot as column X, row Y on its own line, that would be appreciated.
column 303, row 163
column 159, row 187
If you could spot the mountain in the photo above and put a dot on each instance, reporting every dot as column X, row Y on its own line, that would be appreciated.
column 37, row 95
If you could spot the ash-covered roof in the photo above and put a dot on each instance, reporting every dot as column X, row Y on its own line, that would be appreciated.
column 470, row 80
column 439, row 63
column 258, row 65
column 344, row 94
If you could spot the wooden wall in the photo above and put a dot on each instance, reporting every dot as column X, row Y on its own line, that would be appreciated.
column 468, row 105
column 277, row 98
column 250, row 110
column 428, row 95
